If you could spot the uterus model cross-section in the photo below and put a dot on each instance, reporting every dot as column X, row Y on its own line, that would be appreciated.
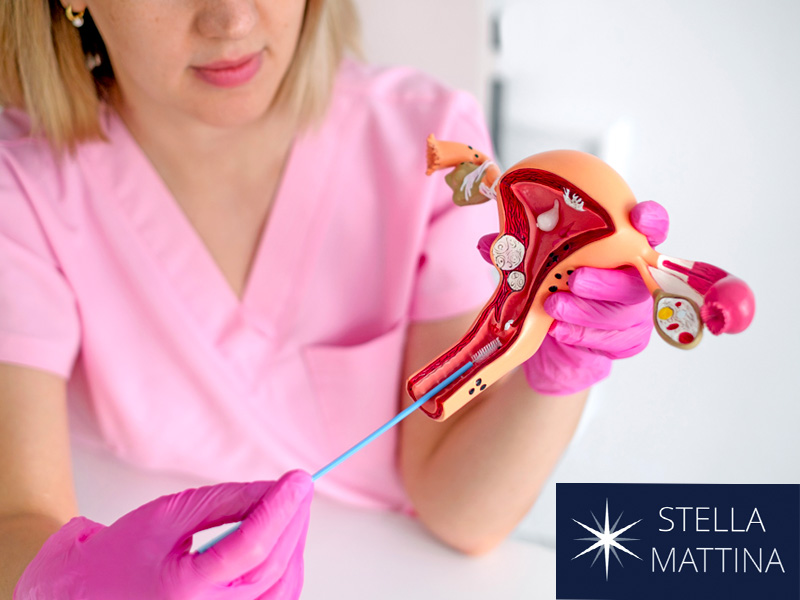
column 558, row 211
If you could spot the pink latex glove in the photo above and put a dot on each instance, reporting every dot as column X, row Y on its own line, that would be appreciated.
column 145, row 554
column 607, row 314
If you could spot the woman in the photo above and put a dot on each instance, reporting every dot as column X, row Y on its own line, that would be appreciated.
column 220, row 255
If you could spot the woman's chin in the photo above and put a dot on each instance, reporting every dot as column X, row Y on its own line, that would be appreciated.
column 230, row 114
column 218, row 110
column 233, row 106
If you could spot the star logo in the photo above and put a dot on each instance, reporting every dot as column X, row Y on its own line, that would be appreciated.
column 606, row 539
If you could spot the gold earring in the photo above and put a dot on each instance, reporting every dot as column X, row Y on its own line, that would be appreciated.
column 75, row 19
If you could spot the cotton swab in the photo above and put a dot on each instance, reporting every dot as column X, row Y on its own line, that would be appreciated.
column 370, row 438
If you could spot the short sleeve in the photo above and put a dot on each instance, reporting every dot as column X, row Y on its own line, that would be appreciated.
column 452, row 277
column 39, row 325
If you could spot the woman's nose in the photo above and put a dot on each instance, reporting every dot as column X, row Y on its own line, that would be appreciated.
column 227, row 19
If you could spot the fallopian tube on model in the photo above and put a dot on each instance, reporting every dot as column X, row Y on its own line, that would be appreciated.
column 558, row 211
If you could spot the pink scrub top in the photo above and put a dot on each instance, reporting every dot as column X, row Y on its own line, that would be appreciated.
column 104, row 281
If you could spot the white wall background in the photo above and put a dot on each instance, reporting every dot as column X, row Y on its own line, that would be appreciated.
column 697, row 104
column 446, row 38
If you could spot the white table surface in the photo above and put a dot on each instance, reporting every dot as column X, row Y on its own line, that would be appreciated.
column 351, row 553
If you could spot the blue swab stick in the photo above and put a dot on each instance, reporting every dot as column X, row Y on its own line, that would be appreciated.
column 375, row 434
column 402, row 415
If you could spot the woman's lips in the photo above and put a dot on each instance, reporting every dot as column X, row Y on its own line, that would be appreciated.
column 230, row 73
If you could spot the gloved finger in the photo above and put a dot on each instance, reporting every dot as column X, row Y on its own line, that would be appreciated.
column 559, row 369
column 291, row 582
column 274, row 567
column 174, row 518
column 485, row 246
column 247, row 547
column 624, row 286
column 598, row 314
column 611, row 343
column 54, row 552
column 651, row 219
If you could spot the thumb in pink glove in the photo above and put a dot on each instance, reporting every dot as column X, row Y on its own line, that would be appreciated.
column 145, row 553
column 606, row 315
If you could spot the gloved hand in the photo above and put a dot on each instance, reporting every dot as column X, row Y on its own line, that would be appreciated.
column 607, row 314
column 145, row 553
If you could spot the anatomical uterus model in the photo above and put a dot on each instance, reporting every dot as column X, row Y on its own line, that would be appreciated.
column 558, row 211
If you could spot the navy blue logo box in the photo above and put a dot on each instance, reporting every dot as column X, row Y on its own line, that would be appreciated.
column 620, row 541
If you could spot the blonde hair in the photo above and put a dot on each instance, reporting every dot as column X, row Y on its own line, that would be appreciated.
column 43, row 66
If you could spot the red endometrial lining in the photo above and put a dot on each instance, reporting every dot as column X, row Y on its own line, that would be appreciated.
column 524, row 194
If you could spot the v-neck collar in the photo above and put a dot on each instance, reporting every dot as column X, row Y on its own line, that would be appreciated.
column 282, row 262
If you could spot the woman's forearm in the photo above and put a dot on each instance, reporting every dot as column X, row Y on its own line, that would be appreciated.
column 486, row 470
column 21, row 538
